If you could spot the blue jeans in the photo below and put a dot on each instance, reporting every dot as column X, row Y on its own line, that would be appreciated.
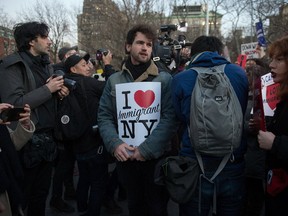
column 93, row 176
column 230, row 190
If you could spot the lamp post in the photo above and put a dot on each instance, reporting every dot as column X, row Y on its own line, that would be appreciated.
column 207, row 20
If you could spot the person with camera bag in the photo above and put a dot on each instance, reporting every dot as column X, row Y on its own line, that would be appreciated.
column 26, row 78
column 88, row 148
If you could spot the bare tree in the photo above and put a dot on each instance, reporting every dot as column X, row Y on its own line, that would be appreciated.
column 55, row 15
column 5, row 20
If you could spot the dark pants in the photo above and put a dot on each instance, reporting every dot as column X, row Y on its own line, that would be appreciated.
column 230, row 190
column 276, row 205
column 255, row 196
column 93, row 176
column 64, row 171
column 145, row 198
column 36, row 185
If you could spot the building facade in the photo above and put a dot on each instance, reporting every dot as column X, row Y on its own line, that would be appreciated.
column 7, row 42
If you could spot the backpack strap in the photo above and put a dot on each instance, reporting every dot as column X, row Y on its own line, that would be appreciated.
column 211, row 180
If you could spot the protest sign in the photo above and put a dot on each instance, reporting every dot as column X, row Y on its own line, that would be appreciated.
column 138, row 110
column 269, row 94
column 250, row 50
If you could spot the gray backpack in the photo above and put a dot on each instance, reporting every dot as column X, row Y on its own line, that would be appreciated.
column 216, row 118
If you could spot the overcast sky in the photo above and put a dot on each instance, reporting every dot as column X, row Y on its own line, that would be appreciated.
column 12, row 7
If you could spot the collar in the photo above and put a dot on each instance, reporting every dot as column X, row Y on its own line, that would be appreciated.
column 152, row 70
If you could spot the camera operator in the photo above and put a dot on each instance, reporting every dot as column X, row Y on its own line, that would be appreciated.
column 26, row 78
column 64, row 165
column 91, row 155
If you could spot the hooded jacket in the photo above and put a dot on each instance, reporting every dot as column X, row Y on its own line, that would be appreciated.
column 182, row 87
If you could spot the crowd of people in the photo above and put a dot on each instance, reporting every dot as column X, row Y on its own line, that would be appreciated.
column 33, row 158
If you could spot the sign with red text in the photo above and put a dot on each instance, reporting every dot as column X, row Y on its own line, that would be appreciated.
column 269, row 94
column 138, row 110
column 250, row 50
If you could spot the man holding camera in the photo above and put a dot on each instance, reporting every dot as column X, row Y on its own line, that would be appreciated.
column 26, row 78
column 64, row 166
column 90, row 153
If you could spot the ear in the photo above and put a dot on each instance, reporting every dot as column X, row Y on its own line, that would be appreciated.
column 31, row 43
column 127, row 48
column 73, row 69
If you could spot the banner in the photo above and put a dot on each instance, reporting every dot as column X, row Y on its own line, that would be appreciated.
column 138, row 110
column 260, row 34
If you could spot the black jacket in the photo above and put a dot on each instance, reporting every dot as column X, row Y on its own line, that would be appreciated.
column 90, row 101
column 278, row 156
column 11, row 174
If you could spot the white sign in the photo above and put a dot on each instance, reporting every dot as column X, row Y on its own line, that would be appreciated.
column 138, row 110
column 269, row 94
column 250, row 50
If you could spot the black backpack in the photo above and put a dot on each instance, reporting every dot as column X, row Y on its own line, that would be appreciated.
column 71, row 118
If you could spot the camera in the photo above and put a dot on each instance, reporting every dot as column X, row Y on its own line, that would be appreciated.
column 100, row 53
column 69, row 83
column 167, row 49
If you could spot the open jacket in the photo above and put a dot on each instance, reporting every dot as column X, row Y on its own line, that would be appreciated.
column 158, row 141
column 18, row 86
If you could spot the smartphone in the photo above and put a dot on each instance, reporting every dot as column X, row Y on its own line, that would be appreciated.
column 11, row 114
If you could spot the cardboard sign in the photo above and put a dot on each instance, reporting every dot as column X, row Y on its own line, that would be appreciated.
column 250, row 50
column 269, row 93
column 138, row 110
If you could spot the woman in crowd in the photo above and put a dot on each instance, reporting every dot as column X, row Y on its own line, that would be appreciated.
column 275, row 139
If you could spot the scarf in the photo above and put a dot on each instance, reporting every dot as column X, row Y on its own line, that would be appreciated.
column 137, row 70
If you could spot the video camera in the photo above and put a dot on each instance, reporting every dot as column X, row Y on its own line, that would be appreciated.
column 69, row 83
column 168, row 49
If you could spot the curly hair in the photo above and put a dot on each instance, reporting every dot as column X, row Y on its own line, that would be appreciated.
column 145, row 29
column 24, row 33
column 276, row 49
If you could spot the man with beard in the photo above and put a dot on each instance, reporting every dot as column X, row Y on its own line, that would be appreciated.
column 26, row 78
column 136, row 164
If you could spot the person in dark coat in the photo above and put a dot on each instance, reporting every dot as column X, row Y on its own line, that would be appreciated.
column 275, row 139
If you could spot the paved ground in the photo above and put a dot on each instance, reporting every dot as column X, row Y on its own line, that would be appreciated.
column 172, row 210
column 172, row 207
